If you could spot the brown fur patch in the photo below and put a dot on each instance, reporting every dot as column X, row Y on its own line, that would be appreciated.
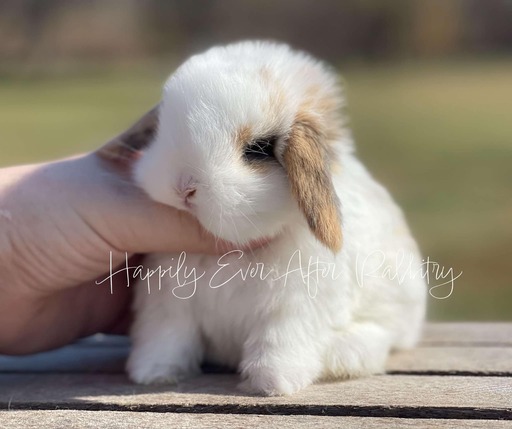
column 324, row 105
column 277, row 98
column 306, row 162
column 276, row 101
column 243, row 136
column 129, row 144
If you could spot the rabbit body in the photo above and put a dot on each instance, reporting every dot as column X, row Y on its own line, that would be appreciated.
column 294, row 311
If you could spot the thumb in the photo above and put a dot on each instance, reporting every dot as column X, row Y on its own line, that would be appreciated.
column 131, row 222
column 154, row 227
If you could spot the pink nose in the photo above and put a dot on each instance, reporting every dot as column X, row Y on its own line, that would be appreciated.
column 186, row 189
column 189, row 193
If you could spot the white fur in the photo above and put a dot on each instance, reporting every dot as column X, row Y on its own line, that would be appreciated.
column 280, row 334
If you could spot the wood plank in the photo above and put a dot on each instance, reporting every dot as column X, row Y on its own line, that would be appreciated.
column 107, row 354
column 115, row 419
column 468, row 333
column 455, row 360
column 379, row 396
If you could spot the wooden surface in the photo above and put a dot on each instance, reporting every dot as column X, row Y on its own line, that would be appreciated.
column 459, row 376
column 116, row 419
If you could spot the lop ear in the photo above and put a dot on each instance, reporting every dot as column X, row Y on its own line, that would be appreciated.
column 306, row 161
column 128, row 145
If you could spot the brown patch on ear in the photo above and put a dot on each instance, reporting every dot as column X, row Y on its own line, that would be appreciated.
column 327, row 105
column 306, row 161
column 129, row 145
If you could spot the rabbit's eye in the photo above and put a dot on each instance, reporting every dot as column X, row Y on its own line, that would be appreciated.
column 260, row 149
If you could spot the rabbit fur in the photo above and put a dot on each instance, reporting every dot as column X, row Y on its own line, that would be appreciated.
column 251, row 141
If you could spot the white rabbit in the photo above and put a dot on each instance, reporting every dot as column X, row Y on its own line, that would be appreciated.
column 250, row 141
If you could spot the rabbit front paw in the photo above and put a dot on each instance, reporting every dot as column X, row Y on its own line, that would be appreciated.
column 274, row 381
column 157, row 374
column 149, row 371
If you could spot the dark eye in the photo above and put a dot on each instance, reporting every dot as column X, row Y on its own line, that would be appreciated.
column 260, row 149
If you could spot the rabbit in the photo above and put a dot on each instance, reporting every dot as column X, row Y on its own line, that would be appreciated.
column 250, row 139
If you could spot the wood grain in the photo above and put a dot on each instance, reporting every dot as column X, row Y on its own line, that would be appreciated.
column 454, row 360
column 467, row 334
column 115, row 420
column 220, row 391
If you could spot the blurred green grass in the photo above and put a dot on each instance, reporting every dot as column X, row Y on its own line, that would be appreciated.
column 439, row 136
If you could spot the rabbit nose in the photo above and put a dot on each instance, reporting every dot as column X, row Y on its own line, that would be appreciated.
column 189, row 193
column 186, row 190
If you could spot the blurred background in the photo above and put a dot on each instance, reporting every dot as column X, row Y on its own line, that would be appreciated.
column 428, row 82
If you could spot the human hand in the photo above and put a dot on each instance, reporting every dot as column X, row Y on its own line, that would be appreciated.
column 59, row 222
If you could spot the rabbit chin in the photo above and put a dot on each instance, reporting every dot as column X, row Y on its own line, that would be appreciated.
column 241, row 230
